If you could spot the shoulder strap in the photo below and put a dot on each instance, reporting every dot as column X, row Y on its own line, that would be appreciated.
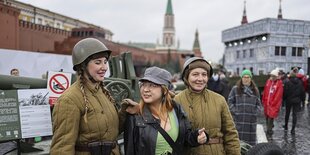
column 167, row 137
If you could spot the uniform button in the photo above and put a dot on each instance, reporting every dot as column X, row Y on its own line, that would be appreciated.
column 102, row 111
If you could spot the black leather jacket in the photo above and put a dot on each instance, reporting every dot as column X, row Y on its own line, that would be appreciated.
column 140, row 136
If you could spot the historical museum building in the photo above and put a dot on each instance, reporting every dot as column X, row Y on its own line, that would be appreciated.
column 266, row 44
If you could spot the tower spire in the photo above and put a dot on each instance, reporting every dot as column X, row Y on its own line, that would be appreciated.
column 169, row 30
column 280, row 11
column 196, row 46
column 196, row 42
column 244, row 17
column 169, row 10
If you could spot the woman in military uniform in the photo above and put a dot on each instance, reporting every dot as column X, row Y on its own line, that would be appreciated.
column 85, row 119
column 207, row 109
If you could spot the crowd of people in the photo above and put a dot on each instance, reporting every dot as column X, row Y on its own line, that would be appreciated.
column 208, row 117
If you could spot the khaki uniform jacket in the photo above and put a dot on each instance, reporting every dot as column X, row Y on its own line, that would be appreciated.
column 69, row 126
column 209, row 110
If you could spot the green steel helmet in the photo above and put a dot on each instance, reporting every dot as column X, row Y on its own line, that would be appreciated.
column 189, row 61
column 85, row 48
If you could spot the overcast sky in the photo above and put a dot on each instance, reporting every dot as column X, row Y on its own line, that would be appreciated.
column 142, row 20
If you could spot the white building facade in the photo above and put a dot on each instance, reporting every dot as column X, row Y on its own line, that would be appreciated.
column 266, row 44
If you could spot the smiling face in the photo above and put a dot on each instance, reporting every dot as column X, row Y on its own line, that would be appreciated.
column 150, row 92
column 198, row 79
column 97, row 68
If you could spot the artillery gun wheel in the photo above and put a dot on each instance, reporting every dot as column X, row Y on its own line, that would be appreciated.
column 119, row 90
column 265, row 149
column 106, row 82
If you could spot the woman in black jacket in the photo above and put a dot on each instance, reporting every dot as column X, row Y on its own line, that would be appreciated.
column 159, row 112
column 293, row 93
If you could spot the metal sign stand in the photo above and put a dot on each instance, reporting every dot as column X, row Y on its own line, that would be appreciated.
column 18, row 146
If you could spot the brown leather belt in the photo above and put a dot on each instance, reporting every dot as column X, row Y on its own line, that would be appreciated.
column 215, row 141
column 86, row 147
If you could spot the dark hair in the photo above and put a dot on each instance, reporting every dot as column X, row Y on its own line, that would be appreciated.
column 14, row 69
column 253, row 87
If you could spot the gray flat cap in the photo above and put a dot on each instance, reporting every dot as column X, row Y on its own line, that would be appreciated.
column 158, row 76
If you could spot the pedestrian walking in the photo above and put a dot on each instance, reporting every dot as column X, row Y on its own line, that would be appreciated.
column 244, row 103
column 225, row 85
column 301, row 75
column 207, row 109
column 85, row 118
column 219, row 84
column 284, row 77
column 293, row 94
column 161, row 127
column 272, row 99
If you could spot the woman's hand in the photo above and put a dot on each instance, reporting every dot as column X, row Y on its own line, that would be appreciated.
column 130, row 106
column 202, row 137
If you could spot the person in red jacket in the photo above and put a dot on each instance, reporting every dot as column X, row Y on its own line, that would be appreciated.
column 272, row 99
column 304, row 81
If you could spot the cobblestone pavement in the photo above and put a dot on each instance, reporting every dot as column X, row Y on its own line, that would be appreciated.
column 7, row 147
column 292, row 144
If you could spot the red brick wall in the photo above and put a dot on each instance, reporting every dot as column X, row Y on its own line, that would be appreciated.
column 34, row 37
column 22, row 35
column 9, row 36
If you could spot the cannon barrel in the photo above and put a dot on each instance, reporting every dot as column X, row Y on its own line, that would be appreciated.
column 8, row 82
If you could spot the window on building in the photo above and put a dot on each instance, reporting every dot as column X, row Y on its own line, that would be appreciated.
column 238, row 54
column 251, row 52
column 294, row 51
column 280, row 51
column 238, row 71
column 277, row 51
column 39, row 20
column 244, row 53
column 299, row 52
column 283, row 51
